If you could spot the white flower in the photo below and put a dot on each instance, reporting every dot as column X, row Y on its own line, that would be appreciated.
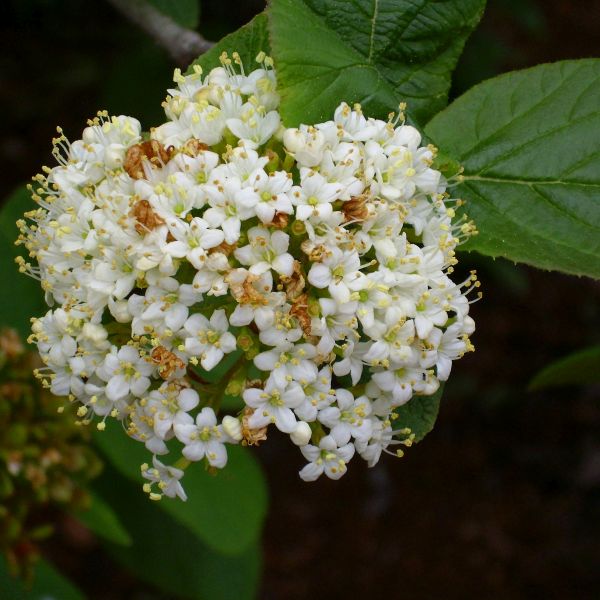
column 268, row 195
column 307, row 144
column 253, row 125
column 338, row 271
column 226, row 212
column 208, row 339
column 326, row 458
column 256, row 300
column 354, row 124
column 352, row 362
column 125, row 372
column 274, row 405
column 170, row 405
column 381, row 437
column 289, row 362
column 337, row 323
column 52, row 335
column 163, row 306
column 243, row 164
column 167, row 478
column 265, row 251
column 348, row 419
column 401, row 382
column 204, row 438
column 317, row 396
column 314, row 196
column 393, row 340
column 211, row 277
column 192, row 240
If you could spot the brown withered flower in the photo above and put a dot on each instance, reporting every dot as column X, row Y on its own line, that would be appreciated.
column 193, row 147
column 246, row 293
column 168, row 362
column 355, row 209
column 280, row 220
column 252, row 437
column 300, row 311
column 152, row 152
column 146, row 218
column 223, row 248
column 294, row 284
column 315, row 252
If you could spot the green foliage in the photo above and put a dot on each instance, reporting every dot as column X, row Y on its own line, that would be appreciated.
column 582, row 367
column 419, row 414
column 48, row 584
column 376, row 52
column 101, row 519
column 184, row 12
column 530, row 146
column 20, row 297
column 225, row 510
column 248, row 41
column 170, row 555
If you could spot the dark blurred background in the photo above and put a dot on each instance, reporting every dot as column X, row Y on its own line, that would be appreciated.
column 502, row 500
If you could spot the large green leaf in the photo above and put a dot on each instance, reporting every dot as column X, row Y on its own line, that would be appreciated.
column 184, row 12
column 419, row 414
column 582, row 367
column 21, row 297
column 529, row 142
column 101, row 519
column 376, row 52
column 48, row 584
column 170, row 555
column 248, row 41
column 225, row 510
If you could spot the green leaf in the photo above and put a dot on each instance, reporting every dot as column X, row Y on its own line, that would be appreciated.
column 529, row 142
column 100, row 519
column 21, row 297
column 48, row 584
column 248, row 41
column 579, row 368
column 225, row 510
column 170, row 555
column 376, row 52
column 184, row 12
column 419, row 414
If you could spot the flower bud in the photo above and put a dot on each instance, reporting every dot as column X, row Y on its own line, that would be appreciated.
column 89, row 135
column 94, row 333
column 301, row 435
column 232, row 427
column 120, row 311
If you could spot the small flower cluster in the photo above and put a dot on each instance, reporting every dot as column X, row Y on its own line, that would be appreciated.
column 309, row 268
column 45, row 459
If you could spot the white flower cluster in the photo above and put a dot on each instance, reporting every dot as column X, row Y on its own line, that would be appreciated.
column 308, row 268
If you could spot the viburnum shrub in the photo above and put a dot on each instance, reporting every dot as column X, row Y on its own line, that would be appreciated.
column 319, row 257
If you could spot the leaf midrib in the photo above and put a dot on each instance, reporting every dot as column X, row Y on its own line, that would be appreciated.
column 372, row 36
column 482, row 142
column 368, row 63
column 519, row 147
column 529, row 182
column 535, row 233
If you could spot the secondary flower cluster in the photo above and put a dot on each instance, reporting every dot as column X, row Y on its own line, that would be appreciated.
column 307, row 268
column 45, row 459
